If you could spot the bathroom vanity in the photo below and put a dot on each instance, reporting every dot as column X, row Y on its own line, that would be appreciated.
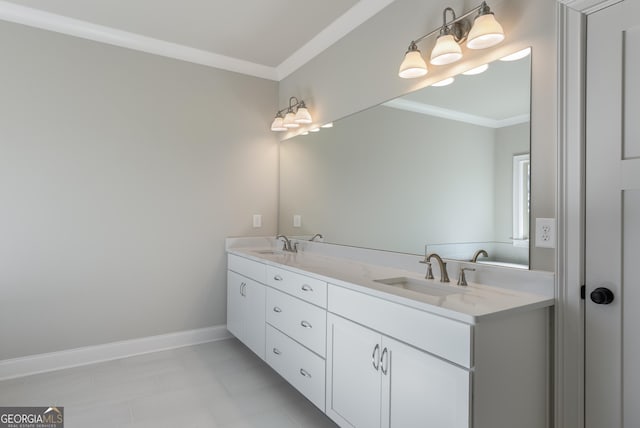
column 377, row 346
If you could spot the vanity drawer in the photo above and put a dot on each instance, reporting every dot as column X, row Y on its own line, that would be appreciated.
column 306, row 288
column 303, row 322
column 449, row 339
column 299, row 366
column 246, row 267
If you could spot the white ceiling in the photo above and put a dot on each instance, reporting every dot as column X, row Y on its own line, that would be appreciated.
column 263, row 38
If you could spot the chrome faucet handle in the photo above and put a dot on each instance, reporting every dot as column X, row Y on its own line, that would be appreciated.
column 462, row 279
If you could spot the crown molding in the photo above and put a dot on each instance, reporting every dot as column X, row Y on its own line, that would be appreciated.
column 431, row 110
column 74, row 27
column 346, row 23
column 350, row 20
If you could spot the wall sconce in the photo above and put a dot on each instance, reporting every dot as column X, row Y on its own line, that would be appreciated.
column 296, row 115
column 483, row 33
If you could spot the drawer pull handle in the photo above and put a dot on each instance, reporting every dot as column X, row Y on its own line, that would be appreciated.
column 243, row 288
column 276, row 351
column 305, row 324
column 277, row 278
column 374, row 357
column 384, row 363
column 305, row 373
column 307, row 287
column 277, row 309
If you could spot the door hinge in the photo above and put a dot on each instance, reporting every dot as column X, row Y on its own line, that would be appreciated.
column 583, row 291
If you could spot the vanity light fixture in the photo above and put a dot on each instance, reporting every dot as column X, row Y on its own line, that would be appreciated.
column 296, row 114
column 476, row 70
column 517, row 55
column 445, row 82
column 483, row 33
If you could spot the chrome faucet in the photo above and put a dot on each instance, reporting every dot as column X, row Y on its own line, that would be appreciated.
column 477, row 254
column 286, row 244
column 444, row 277
column 317, row 235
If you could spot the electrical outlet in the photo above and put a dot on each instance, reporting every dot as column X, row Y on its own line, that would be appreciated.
column 546, row 232
column 297, row 220
column 257, row 220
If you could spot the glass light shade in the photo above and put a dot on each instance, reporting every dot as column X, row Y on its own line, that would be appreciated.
column 327, row 125
column 486, row 32
column 444, row 82
column 477, row 70
column 303, row 116
column 413, row 65
column 446, row 50
column 316, row 129
column 289, row 121
column 277, row 124
column 517, row 55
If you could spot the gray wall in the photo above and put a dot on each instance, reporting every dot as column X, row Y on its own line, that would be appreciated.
column 361, row 70
column 121, row 173
column 375, row 180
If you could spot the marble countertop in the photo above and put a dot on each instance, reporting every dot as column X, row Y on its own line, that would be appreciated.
column 468, row 304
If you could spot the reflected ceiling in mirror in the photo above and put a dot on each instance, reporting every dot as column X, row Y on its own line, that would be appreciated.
column 443, row 167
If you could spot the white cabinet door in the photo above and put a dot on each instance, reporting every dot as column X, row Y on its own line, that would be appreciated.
column 353, row 376
column 254, row 317
column 420, row 390
column 235, row 287
column 246, row 311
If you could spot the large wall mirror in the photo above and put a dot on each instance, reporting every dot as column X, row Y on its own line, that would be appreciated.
column 443, row 167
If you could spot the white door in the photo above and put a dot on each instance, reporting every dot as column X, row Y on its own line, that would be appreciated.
column 353, row 374
column 420, row 390
column 612, row 378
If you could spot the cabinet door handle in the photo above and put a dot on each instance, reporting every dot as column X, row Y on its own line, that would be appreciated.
column 277, row 278
column 243, row 288
column 307, row 287
column 374, row 357
column 384, row 363
column 305, row 324
column 276, row 351
column 305, row 373
column 277, row 309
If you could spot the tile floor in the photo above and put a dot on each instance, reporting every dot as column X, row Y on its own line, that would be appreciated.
column 214, row 385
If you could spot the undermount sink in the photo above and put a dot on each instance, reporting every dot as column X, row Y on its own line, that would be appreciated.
column 266, row 252
column 421, row 286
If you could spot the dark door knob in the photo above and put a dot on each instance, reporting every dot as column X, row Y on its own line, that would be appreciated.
column 601, row 296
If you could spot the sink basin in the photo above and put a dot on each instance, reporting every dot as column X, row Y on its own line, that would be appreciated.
column 421, row 286
column 267, row 252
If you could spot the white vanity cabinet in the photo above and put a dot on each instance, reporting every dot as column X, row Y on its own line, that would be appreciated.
column 369, row 359
column 375, row 381
column 246, row 299
column 426, row 370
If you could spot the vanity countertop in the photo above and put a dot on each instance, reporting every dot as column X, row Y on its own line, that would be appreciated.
column 468, row 304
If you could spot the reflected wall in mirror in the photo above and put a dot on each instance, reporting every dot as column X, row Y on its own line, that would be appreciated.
column 446, row 167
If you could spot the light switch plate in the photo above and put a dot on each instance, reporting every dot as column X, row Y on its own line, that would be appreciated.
column 545, row 232
column 297, row 220
column 257, row 220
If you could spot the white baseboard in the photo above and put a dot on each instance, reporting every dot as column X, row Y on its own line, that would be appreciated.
column 40, row 363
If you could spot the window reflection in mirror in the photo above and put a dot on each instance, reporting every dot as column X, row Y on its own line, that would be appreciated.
column 435, row 167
